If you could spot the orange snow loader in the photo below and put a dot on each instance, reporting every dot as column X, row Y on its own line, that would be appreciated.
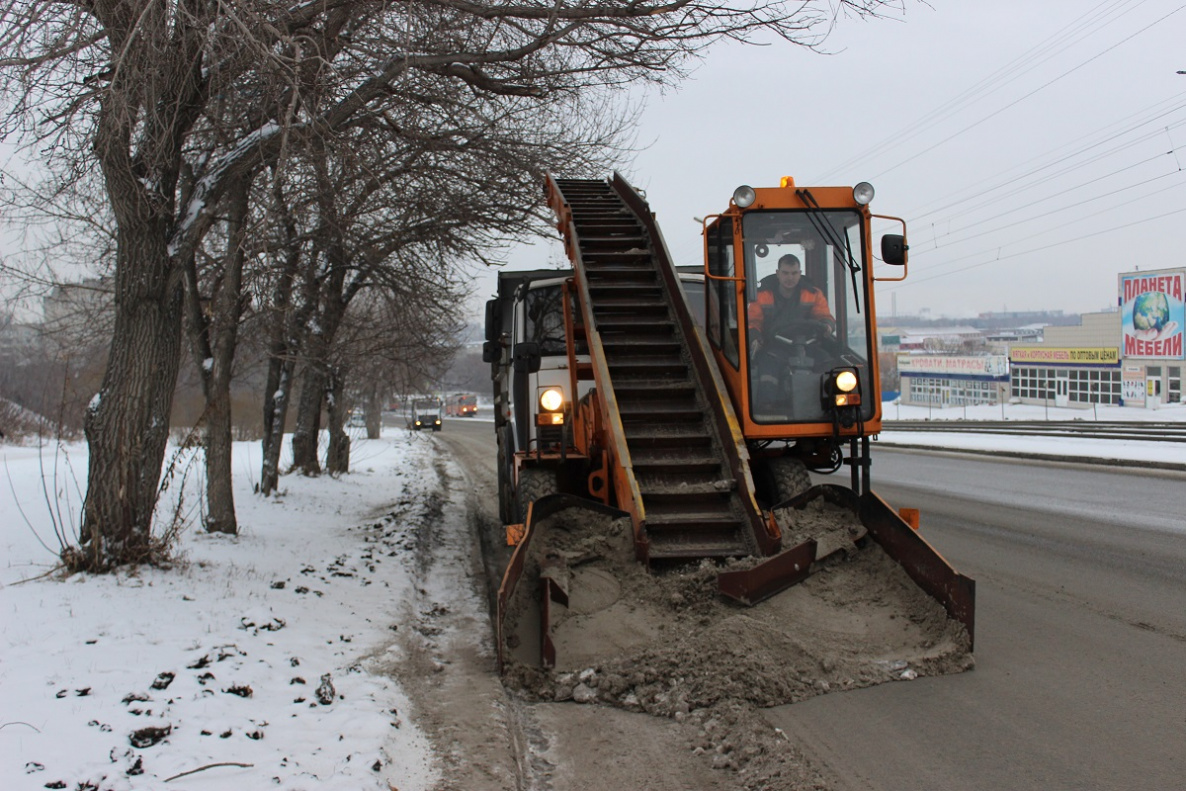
column 694, row 401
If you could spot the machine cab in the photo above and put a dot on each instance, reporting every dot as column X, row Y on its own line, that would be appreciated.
column 526, row 340
column 788, row 311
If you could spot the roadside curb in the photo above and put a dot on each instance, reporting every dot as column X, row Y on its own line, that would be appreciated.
column 1148, row 465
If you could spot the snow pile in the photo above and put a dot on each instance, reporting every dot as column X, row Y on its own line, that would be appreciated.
column 258, row 661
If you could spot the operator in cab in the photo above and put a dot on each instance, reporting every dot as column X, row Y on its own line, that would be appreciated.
column 784, row 298
column 787, row 320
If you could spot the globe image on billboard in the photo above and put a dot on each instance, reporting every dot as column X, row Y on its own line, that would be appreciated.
column 1150, row 312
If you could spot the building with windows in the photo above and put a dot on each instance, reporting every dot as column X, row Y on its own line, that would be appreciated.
column 1074, row 366
column 953, row 380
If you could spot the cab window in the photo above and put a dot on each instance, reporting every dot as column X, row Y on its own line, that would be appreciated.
column 544, row 319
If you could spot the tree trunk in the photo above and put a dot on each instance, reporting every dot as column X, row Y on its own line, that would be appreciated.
column 315, row 381
column 308, row 420
column 127, row 422
column 374, row 409
column 220, row 497
column 337, row 458
column 276, row 402
column 286, row 334
column 226, row 312
column 145, row 113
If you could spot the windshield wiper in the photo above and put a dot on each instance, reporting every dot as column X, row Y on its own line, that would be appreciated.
column 825, row 229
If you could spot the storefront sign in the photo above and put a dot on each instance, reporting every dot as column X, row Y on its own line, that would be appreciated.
column 1064, row 356
column 968, row 365
column 1153, row 314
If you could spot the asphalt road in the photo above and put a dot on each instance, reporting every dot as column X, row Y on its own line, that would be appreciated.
column 1080, row 679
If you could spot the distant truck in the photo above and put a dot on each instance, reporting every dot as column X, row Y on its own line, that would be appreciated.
column 461, row 405
column 426, row 413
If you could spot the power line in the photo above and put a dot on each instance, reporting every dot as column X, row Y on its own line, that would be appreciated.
column 1010, row 72
column 936, row 276
column 1024, row 97
column 1101, row 195
column 1043, row 163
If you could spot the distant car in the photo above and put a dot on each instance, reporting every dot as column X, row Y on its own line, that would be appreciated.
column 357, row 420
column 425, row 414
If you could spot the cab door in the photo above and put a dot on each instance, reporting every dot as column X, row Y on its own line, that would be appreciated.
column 721, row 291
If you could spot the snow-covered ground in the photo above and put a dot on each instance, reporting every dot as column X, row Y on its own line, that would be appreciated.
column 1166, row 413
column 222, row 666
column 263, row 657
column 1173, row 453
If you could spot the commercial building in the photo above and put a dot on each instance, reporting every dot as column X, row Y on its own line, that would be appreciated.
column 1073, row 366
column 1131, row 356
column 953, row 380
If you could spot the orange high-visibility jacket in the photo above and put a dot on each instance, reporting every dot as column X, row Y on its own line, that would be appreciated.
column 813, row 306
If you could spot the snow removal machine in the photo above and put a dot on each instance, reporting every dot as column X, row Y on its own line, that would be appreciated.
column 687, row 405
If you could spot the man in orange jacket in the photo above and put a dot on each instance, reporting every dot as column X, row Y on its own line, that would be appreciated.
column 783, row 298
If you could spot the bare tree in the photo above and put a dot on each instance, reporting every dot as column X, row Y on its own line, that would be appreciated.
column 395, row 335
column 214, row 319
column 134, row 79
column 286, row 317
column 404, row 195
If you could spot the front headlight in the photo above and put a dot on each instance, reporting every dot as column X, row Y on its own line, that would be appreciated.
column 841, row 387
column 551, row 399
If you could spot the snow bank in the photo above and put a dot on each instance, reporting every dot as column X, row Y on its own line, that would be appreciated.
column 259, row 660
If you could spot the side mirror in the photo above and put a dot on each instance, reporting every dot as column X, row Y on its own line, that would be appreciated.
column 893, row 249
column 493, row 324
column 527, row 358
column 491, row 351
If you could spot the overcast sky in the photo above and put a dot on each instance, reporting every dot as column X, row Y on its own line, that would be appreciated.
column 1035, row 147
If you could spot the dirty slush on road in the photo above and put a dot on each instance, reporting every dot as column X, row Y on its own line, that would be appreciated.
column 666, row 644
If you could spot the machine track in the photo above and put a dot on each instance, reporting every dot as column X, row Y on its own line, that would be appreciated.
column 691, row 503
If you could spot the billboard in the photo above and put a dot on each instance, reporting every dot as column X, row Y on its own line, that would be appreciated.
column 1064, row 356
column 978, row 365
column 1152, row 314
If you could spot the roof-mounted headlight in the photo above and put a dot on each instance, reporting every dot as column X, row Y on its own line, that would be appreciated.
column 744, row 196
column 863, row 193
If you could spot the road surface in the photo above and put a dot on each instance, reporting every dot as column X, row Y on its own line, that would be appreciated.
column 1081, row 644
